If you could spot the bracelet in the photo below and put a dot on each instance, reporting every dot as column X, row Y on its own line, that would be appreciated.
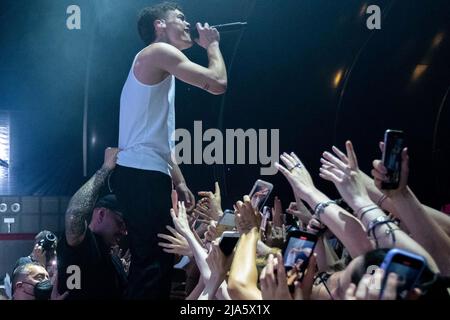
column 378, row 222
column 320, row 207
column 380, row 201
column 360, row 209
column 367, row 210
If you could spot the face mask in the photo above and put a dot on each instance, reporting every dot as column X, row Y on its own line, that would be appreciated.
column 42, row 290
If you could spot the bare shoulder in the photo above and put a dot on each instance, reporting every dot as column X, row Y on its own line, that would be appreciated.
column 159, row 51
column 151, row 64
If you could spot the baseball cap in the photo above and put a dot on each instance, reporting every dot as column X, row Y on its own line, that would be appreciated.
column 110, row 202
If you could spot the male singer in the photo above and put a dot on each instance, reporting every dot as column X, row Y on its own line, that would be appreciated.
column 146, row 170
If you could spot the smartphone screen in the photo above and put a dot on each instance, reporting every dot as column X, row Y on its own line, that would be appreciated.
column 228, row 242
column 408, row 270
column 392, row 157
column 265, row 217
column 226, row 223
column 299, row 248
column 260, row 193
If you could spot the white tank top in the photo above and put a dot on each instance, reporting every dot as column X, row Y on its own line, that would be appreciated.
column 147, row 123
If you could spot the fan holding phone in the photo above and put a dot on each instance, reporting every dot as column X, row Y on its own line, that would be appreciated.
column 408, row 267
column 297, row 251
column 392, row 158
column 260, row 193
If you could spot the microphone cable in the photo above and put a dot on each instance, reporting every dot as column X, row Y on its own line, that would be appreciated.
column 224, row 186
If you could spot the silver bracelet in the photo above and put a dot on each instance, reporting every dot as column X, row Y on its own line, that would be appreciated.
column 367, row 209
column 320, row 207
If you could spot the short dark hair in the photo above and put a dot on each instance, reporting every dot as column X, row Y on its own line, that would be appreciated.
column 20, row 272
column 147, row 17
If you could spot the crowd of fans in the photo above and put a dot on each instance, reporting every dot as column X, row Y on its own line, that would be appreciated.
column 373, row 243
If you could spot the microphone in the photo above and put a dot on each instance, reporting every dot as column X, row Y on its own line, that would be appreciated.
column 227, row 27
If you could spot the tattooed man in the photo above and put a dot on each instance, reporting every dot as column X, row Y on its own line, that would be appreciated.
column 86, row 267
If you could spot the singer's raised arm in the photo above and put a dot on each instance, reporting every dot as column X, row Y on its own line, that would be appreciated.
column 164, row 58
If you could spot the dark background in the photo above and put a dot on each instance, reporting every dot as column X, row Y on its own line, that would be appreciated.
column 282, row 76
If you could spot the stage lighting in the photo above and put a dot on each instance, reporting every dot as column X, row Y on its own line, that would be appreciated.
column 3, row 207
column 15, row 207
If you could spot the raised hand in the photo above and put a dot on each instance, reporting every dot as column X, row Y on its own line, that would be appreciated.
column 38, row 255
column 277, row 213
column 211, row 233
column 299, row 211
column 273, row 280
column 345, row 177
column 185, row 195
column 303, row 290
column 110, row 158
column 209, row 206
column 369, row 288
column 297, row 175
column 207, row 35
column 315, row 226
column 180, row 220
column 379, row 172
column 246, row 216
column 177, row 243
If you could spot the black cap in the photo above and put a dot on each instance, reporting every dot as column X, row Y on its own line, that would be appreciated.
column 110, row 202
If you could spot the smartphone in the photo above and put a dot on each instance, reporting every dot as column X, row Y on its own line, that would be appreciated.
column 226, row 223
column 260, row 193
column 298, row 249
column 392, row 157
column 408, row 267
column 265, row 217
column 228, row 241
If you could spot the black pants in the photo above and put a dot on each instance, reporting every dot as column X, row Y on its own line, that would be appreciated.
column 145, row 198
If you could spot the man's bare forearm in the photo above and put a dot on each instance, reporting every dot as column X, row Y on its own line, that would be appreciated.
column 82, row 203
column 216, row 63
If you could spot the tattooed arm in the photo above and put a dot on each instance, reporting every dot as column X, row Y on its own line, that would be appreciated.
column 83, row 201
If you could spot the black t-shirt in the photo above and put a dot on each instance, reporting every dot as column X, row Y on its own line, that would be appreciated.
column 102, row 275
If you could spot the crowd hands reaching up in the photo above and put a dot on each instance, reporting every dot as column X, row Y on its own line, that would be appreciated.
column 364, row 242
column 374, row 243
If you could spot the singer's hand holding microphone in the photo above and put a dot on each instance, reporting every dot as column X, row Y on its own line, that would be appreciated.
column 206, row 35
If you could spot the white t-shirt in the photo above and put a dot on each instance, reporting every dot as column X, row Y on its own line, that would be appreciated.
column 147, row 123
